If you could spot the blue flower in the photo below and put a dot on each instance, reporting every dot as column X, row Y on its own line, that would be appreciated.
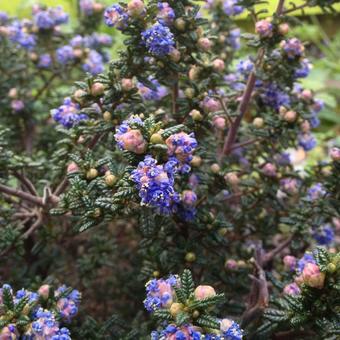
column 273, row 96
column 156, row 93
column 315, row 192
column 166, row 14
column 68, row 114
column 324, row 235
column 115, row 16
column 49, row 18
column 45, row 61
column 159, row 40
column 307, row 141
column 156, row 185
column 160, row 293
column 244, row 67
column 65, row 54
column 18, row 34
column 94, row 63
column 232, row 7
column 231, row 330
column 304, row 69
column 307, row 258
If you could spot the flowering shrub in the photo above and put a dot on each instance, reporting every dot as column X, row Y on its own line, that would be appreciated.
column 181, row 153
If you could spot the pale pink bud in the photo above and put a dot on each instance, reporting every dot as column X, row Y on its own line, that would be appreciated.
column 335, row 154
column 194, row 72
column 78, row 53
column 211, row 105
column 231, row 264
column 218, row 65
column 290, row 116
column 291, row 289
column 306, row 95
column 72, row 167
column 284, row 28
column 189, row 197
column 127, row 84
column 269, row 170
column 305, row 126
column 264, row 28
column 133, row 141
column 232, row 178
column 97, row 7
column 225, row 324
column 219, row 122
column 289, row 262
column 135, row 7
column 13, row 93
column 203, row 292
column 44, row 291
column 175, row 55
column 312, row 276
column 205, row 44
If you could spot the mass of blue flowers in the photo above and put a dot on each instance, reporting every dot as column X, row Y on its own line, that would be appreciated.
column 68, row 114
column 159, row 40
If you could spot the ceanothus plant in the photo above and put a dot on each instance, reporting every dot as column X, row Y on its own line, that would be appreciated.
column 177, row 159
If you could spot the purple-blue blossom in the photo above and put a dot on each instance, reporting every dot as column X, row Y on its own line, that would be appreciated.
column 324, row 235
column 158, row 39
column 155, row 184
column 65, row 54
column 94, row 63
column 307, row 141
column 45, row 61
column 68, row 114
column 166, row 14
column 116, row 16
column 157, row 92
column 160, row 293
column 232, row 7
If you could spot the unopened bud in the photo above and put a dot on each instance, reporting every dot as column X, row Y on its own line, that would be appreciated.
column 258, row 122
column 205, row 44
column 107, row 116
column 156, row 138
column 203, row 292
column 190, row 257
column 215, row 168
column 92, row 173
column 196, row 115
column 97, row 89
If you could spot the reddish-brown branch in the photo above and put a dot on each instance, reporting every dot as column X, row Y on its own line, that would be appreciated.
column 21, row 194
column 26, row 182
column 270, row 255
column 293, row 9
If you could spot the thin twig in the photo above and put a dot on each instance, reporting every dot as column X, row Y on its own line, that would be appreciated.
column 293, row 9
column 45, row 87
column 26, row 182
column 21, row 194
column 269, row 256
column 34, row 226
column 248, row 142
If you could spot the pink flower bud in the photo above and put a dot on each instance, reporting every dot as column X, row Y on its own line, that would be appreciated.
column 312, row 276
column 306, row 95
column 203, row 292
column 225, row 324
column 133, row 141
column 305, row 126
column 269, row 170
column 78, row 53
column 205, row 44
column 264, row 28
column 291, row 289
column 127, row 84
column 194, row 72
column 231, row 264
column 72, row 167
column 189, row 197
column 211, row 104
column 218, row 65
column 97, row 7
column 13, row 93
column 135, row 7
column 219, row 122
column 289, row 262
column 232, row 178
column 335, row 154
column 175, row 55
column 284, row 28
column 290, row 116
column 44, row 291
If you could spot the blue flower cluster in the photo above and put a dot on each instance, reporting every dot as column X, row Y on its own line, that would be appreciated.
column 67, row 304
column 232, row 7
column 160, row 293
column 18, row 33
column 45, row 324
column 306, row 258
column 166, row 14
column 156, row 93
column 46, row 327
column 48, row 18
column 94, row 63
column 324, row 235
column 307, row 141
column 116, row 16
column 182, row 146
column 186, row 332
column 304, row 69
column 45, row 61
column 68, row 114
column 159, row 40
column 65, row 54
column 273, row 96
column 156, row 184
column 316, row 191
